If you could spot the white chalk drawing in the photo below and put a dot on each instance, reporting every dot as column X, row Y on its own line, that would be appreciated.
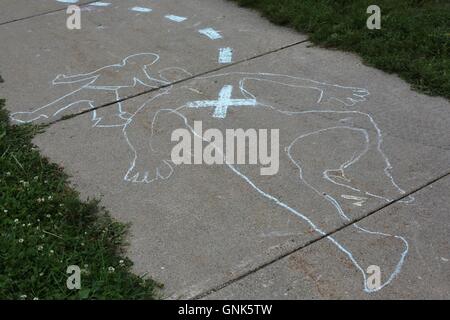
column 100, row 4
column 133, row 72
column 225, row 55
column 175, row 18
column 68, row 1
column 211, row 33
column 141, row 9
column 222, row 104
column 252, row 93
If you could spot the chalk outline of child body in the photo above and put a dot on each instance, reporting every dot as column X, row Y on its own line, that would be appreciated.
column 58, row 106
column 359, row 95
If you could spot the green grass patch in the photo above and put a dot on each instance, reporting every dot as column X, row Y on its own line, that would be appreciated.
column 414, row 40
column 45, row 227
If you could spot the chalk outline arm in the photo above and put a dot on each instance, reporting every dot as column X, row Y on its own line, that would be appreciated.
column 354, row 94
column 64, row 79
column 358, row 94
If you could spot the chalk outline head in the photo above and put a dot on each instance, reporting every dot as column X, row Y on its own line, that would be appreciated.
column 142, row 59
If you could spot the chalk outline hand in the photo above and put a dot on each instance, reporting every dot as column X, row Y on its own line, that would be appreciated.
column 349, row 96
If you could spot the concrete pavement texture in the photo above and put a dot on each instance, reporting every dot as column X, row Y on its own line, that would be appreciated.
column 309, row 274
column 363, row 160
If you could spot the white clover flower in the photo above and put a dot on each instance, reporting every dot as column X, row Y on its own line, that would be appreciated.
column 41, row 274
column 52, row 252
column 23, row 225
column 28, row 224
column 35, row 178
column 48, row 215
column 5, row 211
column 50, row 197
column 35, row 298
column 16, row 220
column 40, row 248
column 21, row 240
column 111, row 269
column 23, row 296
column 8, row 173
column 122, row 263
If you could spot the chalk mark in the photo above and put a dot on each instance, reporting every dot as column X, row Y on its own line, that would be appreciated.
column 223, row 103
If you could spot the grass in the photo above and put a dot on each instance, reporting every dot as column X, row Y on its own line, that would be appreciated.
column 45, row 227
column 413, row 42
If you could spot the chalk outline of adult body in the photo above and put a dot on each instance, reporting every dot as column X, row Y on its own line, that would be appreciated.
column 372, row 140
column 85, row 95
column 356, row 95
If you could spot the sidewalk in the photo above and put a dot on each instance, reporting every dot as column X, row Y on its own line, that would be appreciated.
column 226, row 231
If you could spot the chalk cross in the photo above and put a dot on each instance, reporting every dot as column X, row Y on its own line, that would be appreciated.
column 223, row 103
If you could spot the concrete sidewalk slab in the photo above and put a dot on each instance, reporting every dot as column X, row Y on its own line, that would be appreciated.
column 352, row 139
column 13, row 10
column 199, row 227
column 312, row 273
column 45, row 63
